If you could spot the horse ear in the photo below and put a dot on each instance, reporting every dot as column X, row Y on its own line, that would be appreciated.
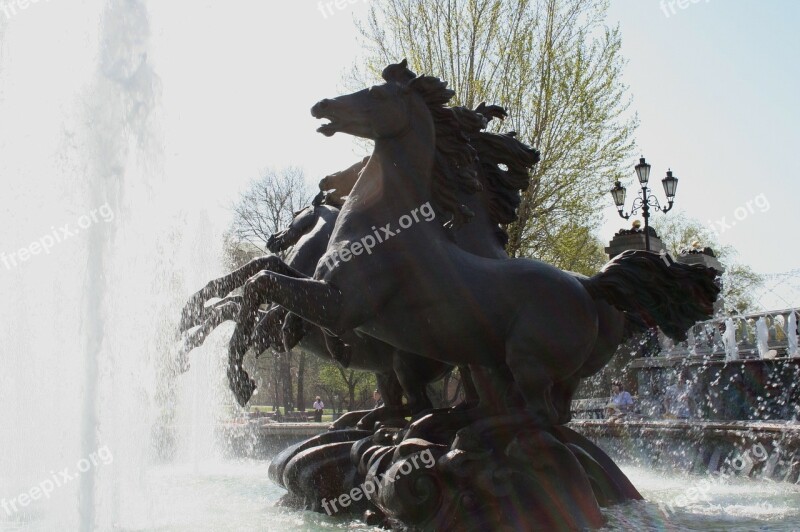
column 398, row 73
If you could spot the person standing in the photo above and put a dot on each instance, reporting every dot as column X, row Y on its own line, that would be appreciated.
column 376, row 395
column 678, row 400
column 319, row 406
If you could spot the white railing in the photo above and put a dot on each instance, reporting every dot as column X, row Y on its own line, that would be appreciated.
column 764, row 335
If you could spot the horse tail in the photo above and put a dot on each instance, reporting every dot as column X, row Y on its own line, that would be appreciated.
column 657, row 290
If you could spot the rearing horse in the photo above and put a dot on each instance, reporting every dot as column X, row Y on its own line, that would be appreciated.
column 496, row 203
column 306, row 239
column 424, row 294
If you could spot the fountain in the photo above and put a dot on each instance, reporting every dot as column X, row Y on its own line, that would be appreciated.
column 100, row 431
column 729, row 339
column 791, row 333
column 88, row 395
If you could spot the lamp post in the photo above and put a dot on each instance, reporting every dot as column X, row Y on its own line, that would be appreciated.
column 643, row 200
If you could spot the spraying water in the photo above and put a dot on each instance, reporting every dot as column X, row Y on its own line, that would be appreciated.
column 97, row 260
column 791, row 332
column 729, row 339
column 762, row 337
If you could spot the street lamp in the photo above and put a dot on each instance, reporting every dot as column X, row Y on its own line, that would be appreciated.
column 643, row 201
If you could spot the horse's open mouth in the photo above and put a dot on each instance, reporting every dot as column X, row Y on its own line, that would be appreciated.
column 326, row 110
column 327, row 129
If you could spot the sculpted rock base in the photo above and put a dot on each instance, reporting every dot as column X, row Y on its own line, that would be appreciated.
column 499, row 473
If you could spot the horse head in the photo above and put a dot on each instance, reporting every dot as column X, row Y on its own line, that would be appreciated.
column 339, row 184
column 303, row 221
column 381, row 111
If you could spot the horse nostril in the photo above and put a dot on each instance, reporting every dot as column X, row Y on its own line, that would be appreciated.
column 319, row 108
column 322, row 105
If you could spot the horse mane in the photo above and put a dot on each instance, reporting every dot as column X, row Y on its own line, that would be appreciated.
column 463, row 148
column 455, row 159
column 503, row 186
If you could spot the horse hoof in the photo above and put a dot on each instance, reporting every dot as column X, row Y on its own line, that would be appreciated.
column 385, row 416
column 193, row 312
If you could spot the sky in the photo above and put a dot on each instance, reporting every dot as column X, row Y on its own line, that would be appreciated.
column 714, row 84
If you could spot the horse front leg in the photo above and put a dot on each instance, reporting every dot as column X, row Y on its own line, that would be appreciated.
column 195, row 310
column 313, row 300
column 219, row 313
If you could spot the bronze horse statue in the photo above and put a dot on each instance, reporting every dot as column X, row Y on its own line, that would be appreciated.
column 482, row 236
column 538, row 321
column 529, row 329
column 495, row 205
column 306, row 239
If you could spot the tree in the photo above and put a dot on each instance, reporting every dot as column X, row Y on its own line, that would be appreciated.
column 355, row 385
column 268, row 206
column 577, row 249
column 555, row 67
column 235, row 253
column 739, row 282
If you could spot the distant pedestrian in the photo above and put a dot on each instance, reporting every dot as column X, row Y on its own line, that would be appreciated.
column 376, row 395
column 678, row 401
column 620, row 403
column 621, row 399
column 319, row 406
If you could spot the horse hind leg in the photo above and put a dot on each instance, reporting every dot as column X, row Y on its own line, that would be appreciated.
column 535, row 383
column 393, row 411
column 562, row 394
column 414, row 374
column 538, row 358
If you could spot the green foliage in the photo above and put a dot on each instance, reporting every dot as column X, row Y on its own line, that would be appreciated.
column 555, row 67
column 739, row 285
column 352, row 387
column 576, row 249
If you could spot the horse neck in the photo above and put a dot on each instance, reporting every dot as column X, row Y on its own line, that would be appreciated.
column 305, row 254
column 479, row 236
column 397, row 177
column 347, row 178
